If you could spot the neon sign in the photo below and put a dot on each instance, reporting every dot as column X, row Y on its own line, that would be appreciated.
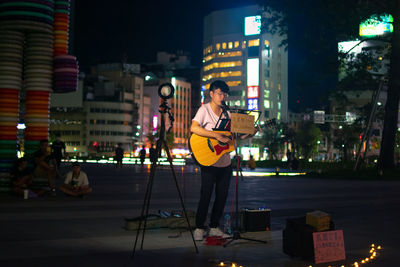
column 252, row 91
column 252, row 104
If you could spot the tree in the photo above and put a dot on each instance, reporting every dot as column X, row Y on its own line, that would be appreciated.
column 152, row 138
column 307, row 138
column 340, row 19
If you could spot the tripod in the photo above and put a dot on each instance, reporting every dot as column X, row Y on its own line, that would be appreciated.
column 161, row 142
column 236, row 232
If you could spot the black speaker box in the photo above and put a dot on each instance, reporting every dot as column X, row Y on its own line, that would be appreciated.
column 256, row 220
column 298, row 238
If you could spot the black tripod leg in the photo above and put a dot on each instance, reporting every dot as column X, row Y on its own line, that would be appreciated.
column 146, row 202
column 179, row 193
column 148, row 189
column 152, row 174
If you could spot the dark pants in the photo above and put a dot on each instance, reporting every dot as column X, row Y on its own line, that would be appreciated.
column 210, row 176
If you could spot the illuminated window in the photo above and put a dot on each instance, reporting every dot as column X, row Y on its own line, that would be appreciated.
column 230, row 64
column 222, row 74
column 230, row 45
column 266, row 103
column 255, row 42
column 209, row 57
column 231, row 54
column 266, row 82
column 279, row 105
column 244, row 44
column 278, row 116
column 266, row 93
column 223, row 45
column 237, row 103
column 236, row 44
column 218, row 46
column 266, row 43
column 234, row 83
column 279, row 88
column 267, row 52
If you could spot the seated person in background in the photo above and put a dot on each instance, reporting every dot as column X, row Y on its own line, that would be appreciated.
column 252, row 163
column 45, row 164
column 22, row 179
column 22, row 176
column 76, row 183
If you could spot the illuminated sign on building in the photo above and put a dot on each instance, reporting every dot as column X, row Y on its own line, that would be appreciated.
column 253, row 72
column 252, row 104
column 377, row 25
column 252, row 25
column 155, row 122
column 252, row 91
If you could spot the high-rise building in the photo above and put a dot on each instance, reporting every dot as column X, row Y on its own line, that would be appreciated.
column 251, row 62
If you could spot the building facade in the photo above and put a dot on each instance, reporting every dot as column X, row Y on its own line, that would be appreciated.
column 249, row 61
column 100, row 115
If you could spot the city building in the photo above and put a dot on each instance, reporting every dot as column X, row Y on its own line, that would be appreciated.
column 103, row 112
column 251, row 62
column 174, row 68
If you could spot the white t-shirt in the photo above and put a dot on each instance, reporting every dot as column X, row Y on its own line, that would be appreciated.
column 79, row 181
column 207, row 119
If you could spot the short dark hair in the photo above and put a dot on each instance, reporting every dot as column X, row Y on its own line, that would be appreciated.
column 219, row 85
column 76, row 164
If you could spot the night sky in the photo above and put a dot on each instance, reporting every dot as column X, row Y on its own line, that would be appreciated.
column 105, row 31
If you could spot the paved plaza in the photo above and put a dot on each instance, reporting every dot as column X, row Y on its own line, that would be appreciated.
column 66, row 231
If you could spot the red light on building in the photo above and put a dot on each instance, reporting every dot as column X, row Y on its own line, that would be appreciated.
column 252, row 91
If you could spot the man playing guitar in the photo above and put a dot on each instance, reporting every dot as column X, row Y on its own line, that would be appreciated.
column 219, row 173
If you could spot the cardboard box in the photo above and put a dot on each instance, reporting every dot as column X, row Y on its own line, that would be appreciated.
column 319, row 220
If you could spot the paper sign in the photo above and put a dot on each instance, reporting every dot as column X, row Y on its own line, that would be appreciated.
column 329, row 246
column 242, row 123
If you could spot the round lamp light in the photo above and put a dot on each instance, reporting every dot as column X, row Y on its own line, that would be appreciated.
column 166, row 91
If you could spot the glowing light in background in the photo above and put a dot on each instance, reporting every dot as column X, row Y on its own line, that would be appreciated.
column 252, row 25
column 155, row 122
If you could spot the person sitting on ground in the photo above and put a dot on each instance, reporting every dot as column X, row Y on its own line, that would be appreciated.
column 45, row 165
column 22, row 176
column 76, row 183
column 252, row 163
column 22, row 179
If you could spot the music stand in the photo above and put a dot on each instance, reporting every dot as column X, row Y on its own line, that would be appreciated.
column 161, row 142
column 240, row 124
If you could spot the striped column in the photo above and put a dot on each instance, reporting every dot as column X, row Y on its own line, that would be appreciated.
column 61, row 27
column 11, row 48
column 38, row 83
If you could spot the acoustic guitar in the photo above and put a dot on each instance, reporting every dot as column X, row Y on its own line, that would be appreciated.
column 206, row 151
